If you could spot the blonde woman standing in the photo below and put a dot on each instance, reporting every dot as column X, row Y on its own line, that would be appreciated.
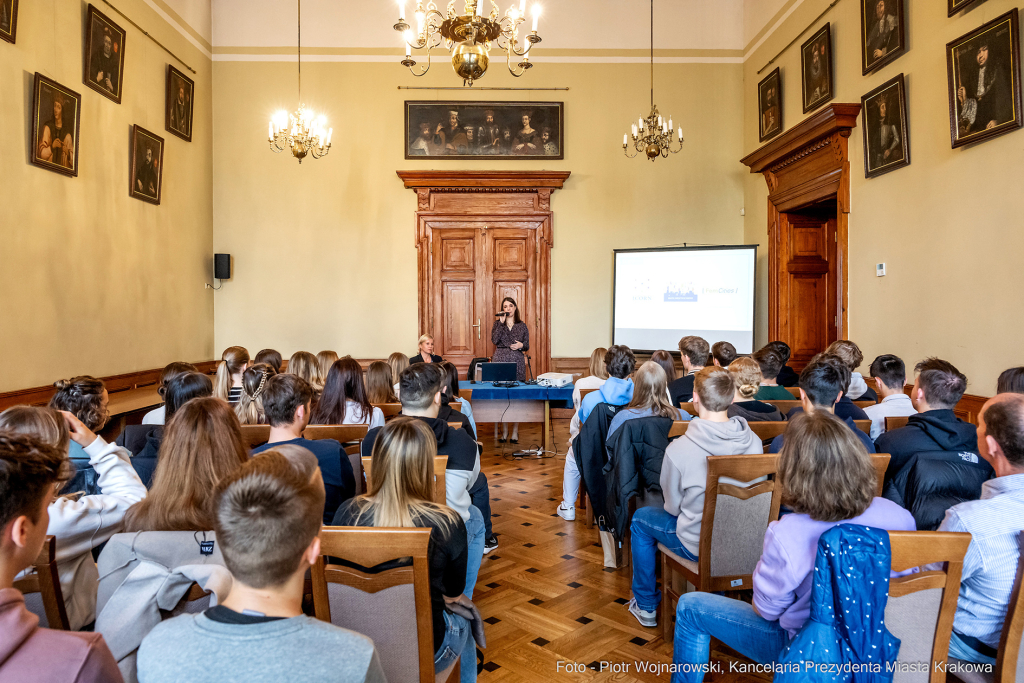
column 228, row 384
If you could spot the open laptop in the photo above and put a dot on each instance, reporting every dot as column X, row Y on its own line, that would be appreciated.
column 498, row 372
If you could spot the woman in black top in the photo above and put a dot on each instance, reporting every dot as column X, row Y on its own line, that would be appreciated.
column 426, row 354
column 511, row 338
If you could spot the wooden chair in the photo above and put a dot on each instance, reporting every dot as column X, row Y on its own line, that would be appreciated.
column 584, row 392
column 440, row 466
column 389, row 409
column 921, row 606
column 892, row 423
column 881, row 464
column 731, row 531
column 391, row 607
column 454, row 425
column 255, row 435
column 766, row 431
column 786, row 406
column 43, row 595
column 689, row 408
column 795, row 391
column 864, row 426
column 340, row 433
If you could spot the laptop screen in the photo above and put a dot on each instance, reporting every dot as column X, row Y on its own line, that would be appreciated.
column 498, row 372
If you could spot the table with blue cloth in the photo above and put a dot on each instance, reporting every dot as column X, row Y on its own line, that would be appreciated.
column 524, row 403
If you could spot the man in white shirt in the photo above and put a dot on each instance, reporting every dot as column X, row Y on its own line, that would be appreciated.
column 890, row 375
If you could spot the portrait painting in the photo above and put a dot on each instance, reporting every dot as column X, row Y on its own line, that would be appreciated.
column 882, row 36
column 886, row 136
column 983, row 70
column 104, row 55
column 469, row 130
column 816, row 68
column 56, row 120
column 769, row 105
column 147, row 165
column 180, row 91
column 8, row 20
column 958, row 5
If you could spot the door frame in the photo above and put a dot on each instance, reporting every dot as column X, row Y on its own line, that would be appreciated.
column 479, row 197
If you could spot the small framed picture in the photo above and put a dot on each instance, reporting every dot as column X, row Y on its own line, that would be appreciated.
column 769, row 105
column 886, row 136
column 104, row 55
column 147, row 165
column 816, row 68
column 983, row 69
column 882, row 35
column 957, row 5
column 8, row 20
column 180, row 91
column 56, row 119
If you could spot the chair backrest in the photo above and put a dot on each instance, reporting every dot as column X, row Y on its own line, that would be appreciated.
column 688, row 408
column 255, row 435
column 786, row 406
column 392, row 607
column 765, row 431
column 454, row 425
column 584, row 392
column 864, row 426
column 389, row 409
column 795, row 391
column 43, row 595
column 440, row 466
column 678, row 428
column 895, row 422
column 881, row 464
column 340, row 433
column 1009, row 663
column 921, row 606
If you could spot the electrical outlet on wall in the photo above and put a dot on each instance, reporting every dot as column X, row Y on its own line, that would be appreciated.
column 880, row 269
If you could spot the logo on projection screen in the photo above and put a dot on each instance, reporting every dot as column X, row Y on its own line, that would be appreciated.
column 681, row 294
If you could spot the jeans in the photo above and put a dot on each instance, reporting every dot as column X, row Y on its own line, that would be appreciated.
column 700, row 616
column 458, row 642
column 481, row 497
column 650, row 527
column 475, row 537
column 570, row 480
column 961, row 650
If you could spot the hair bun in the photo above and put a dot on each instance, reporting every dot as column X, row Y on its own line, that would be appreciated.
column 62, row 384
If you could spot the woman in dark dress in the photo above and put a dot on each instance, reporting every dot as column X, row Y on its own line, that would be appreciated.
column 511, row 338
column 426, row 351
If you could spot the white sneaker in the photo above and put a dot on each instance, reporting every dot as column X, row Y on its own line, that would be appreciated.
column 566, row 513
column 648, row 619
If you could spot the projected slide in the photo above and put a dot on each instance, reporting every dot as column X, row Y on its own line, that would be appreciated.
column 665, row 294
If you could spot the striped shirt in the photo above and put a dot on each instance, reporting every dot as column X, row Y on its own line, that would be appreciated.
column 990, row 566
column 234, row 395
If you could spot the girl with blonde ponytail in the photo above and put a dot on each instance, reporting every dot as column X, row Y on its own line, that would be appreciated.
column 249, row 408
column 228, row 384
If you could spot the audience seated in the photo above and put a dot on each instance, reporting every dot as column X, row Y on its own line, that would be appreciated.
column 344, row 400
column 304, row 364
column 937, row 389
column 746, row 374
column 227, row 385
column 180, row 390
column 30, row 471
column 270, row 357
column 398, row 362
column 770, row 363
column 594, row 380
column 1011, row 381
column 398, row 495
column 451, row 396
column 683, row 480
column 267, row 516
column 668, row 364
column 425, row 353
column 694, row 353
column 80, row 524
column 87, row 399
column 850, row 353
column 890, row 375
column 202, row 445
column 723, row 353
column 844, row 407
column 787, row 376
column 249, row 408
column 170, row 371
column 994, row 522
column 649, row 398
column 380, row 386
column 287, row 402
column 324, row 361
column 822, row 384
column 829, row 480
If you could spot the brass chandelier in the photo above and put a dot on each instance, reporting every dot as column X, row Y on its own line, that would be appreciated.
column 302, row 131
column 469, row 36
column 652, row 135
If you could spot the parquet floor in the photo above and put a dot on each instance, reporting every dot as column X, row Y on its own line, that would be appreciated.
column 554, row 612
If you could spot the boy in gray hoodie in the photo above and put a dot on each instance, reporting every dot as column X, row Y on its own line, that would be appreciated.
column 683, row 477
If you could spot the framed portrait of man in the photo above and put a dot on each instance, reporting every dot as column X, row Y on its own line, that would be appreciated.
column 882, row 35
column 886, row 135
column 958, row 5
column 180, row 91
column 56, row 120
column 816, row 69
column 104, row 54
column 147, row 165
column 471, row 130
column 8, row 20
column 983, row 70
column 769, row 105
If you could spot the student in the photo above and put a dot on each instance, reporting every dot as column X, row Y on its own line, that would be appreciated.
column 694, row 353
column 87, row 399
column 822, row 384
column 380, row 387
column 1011, row 381
column 249, row 408
column 30, row 473
column 84, row 523
column 304, row 364
column 747, row 375
column 890, row 374
column 447, row 413
column 938, row 388
column 770, row 363
column 398, row 362
column 452, row 394
column 723, row 353
column 844, row 407
column 594, row 380
column 399, row 495
column 850, row 353
column 270, row 357
column 787, row 376
column 324, row 360
column 228, row 384
column 202, row 445
column 426, row 351
column 157, row 416
column 829, row 480
column 267, row 516
column 650, row 398
column 683, row 479
column 344, row 400
column 180, row 391
column 287, row 402
column 665, row 360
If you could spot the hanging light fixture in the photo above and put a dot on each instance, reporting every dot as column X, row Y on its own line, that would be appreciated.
column 652, row 135
column 302, row 131
column 468, row 36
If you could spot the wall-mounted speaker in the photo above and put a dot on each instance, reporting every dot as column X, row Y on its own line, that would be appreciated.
column 222, row 266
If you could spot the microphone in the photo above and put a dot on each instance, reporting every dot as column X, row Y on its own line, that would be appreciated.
column 498, row 315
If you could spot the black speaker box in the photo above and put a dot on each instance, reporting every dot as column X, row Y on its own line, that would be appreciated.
column 222, row 266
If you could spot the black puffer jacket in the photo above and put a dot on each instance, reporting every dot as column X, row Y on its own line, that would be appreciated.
column 637, row 449
column 934, row 430
column 933, row 481
column 589, row 450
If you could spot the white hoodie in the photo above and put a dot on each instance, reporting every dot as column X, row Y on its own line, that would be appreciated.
column 858, row 387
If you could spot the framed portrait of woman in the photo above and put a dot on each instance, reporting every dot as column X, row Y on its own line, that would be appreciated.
column 56, row 120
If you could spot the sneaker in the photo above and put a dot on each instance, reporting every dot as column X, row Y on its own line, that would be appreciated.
column 490, row 544
column 648, row 619
column 566, row 513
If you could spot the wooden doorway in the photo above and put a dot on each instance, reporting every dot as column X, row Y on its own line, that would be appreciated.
column 482, row 236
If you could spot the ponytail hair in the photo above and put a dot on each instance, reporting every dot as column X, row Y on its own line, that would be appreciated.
column 249, row 408
column 232, row 362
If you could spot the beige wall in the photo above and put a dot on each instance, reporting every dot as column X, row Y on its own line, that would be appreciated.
column 947, row 226
column 94, row 281
column 324, row 254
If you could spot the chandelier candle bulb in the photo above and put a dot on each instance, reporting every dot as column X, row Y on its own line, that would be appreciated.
column 330, row 132
column 625, row 139
column 670, row 126
column 401, row 10
column 536, row 17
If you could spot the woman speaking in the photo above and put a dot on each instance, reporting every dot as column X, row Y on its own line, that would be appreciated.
column 510, row 338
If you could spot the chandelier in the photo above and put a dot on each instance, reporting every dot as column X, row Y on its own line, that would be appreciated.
column 652, row 135
column 302, row 131
column 468, row 36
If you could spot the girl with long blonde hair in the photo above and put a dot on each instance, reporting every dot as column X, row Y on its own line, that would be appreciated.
column 650, row 398
column 325, row 359
column 249, row 408
column 305, row 365
column 227, row 385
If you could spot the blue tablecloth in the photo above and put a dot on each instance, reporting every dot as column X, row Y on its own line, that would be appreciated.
column 559, row 398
